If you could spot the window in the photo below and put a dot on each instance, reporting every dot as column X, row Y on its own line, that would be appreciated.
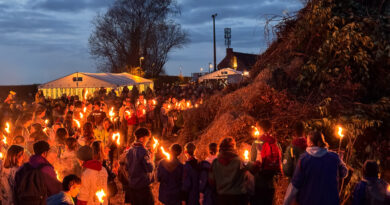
column 77, row 79
column 224, row 72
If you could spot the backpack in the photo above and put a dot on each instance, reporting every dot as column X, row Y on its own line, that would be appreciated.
column 30, row 188
column 271, row 157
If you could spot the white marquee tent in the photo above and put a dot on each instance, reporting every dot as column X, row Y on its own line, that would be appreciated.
column 75, row 83
column 222, row 74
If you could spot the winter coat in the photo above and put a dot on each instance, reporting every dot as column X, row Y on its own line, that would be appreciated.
column 292, row 154
column 60, row 199
column 93, row 178
column 317, row 175
column 53, row 185
column 139, row 166
column 69, row 164
column 191, row 181
column 370, row 191
column 227, row 174
column 170, row 175
column 209, row 195
column 7, row 185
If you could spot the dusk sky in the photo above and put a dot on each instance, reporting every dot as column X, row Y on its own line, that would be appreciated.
column 41, row 40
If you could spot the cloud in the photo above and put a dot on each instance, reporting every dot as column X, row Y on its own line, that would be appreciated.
column 70, row 5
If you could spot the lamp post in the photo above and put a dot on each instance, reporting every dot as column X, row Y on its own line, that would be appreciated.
column 215, row 51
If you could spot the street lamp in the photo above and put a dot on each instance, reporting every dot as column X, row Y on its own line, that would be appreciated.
column 210, row 67
column 215, row 51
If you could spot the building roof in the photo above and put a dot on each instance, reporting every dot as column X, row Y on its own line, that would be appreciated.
column 220, row 74
column 96, row 80
column 244, row 61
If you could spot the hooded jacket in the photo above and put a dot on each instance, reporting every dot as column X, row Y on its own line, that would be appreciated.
column 93, row 178
column 139, row 167
column 60, row 199
column 292, row 154
column 227, row 174
column 53, row 185
column 316, row 178
column 191, row 181
column 170, row 175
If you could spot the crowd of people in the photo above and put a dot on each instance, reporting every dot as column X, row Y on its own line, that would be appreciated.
column 76, row 151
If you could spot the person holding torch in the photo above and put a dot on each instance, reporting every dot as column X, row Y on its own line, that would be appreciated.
column 139, row 167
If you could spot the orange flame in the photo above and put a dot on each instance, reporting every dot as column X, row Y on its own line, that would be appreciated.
column 340, row 132
column 167, row 155
column 77, row 123
column 4, row 139
column 100, row 195
column 7, row 127
column 154, row 102
column 86, row 95
column 246, row 155
column 144, row 101
column 155, row 143
column 117, row 137
column 46, row 121
column 128, row 113
column 85, row 109
column 256, row 133
column 1, row 155
column 58, row 176
column 81, row 115
column 143, row 111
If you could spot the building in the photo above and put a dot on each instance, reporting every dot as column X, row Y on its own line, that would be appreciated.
column 226, row 75
column 237, row 61
column 78, row 83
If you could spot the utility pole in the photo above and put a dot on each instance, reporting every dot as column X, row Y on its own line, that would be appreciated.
column 215, row 51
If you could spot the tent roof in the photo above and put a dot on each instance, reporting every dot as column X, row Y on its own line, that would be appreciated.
column 96, row 80
column 220, row 74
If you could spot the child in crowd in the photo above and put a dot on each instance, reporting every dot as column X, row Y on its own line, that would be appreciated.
column 191, row 175
column 208, row 195
column 70, row 188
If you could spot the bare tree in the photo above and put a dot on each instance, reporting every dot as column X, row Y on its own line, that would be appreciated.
column 132, row 29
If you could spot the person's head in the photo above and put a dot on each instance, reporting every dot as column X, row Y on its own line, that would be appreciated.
column 17, row 131
column 88, row 130
column 41, row 148
column 213, row 148
column 57, row 126
column 18, row 140
column 107, row 123
column 40, row 112
column 227, row 144
column 14, row 157
column 96, row 105
column 370, row 169
column 316, row 139
column 61, row 136
column 176, row 150
column 265, row 125
column 142, row 135
column 299, row 129
column 84, row 153
column 71, row 184
column 71, row 144
column 36, row 127
column 97, row 151
column 26, row 119
column 189, row 149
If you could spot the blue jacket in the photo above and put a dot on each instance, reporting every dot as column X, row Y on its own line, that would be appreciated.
column 60, row 199
column 139, row 167
column 370, row 191
column 317, row 175
column 191, row 181
column 170, row 175
column 209, row 193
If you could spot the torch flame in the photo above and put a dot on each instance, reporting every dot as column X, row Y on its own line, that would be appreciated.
column 7, row 127
column 169, row 107
column 77, row 122
column 128, row 113
column 155, row 143
column 388, row 190
column 256, row 132
column 167, row 155
column 85, row 109
column 143, row 111
column 58, row 176
column 246, row 155
column 340, row 132
column 1, row 155
column 154, row 102
column 117, row 137
column 45, row 129
column 4, row 139
column 144, row 101
column 86, row 95
column 81, row 115
column 100, row 195
column 46, row 121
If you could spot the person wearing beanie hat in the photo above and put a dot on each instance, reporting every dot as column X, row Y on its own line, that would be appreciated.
column 38, row 161
column 227, row 175
column 94, row 177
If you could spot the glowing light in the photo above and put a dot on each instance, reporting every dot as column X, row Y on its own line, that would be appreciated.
column 86, row 95
column 4, row 139
column 77, row 123
column 154, row 102
column 85, row 109
column 144, row 102
column 111, row 113
column 1, row 155
column 100, row 195
column 155, row 143
column 45, row 129
column 143, row 111
column 117, row 137
column 128, row 113
column 46, row 121
column 7, row 128
column 58, row 175
column 388, row 190
column 340, row 132
column 256, row 133
column 246, row 155
column 167, row 155
column 81, row 115
column 169, row 107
